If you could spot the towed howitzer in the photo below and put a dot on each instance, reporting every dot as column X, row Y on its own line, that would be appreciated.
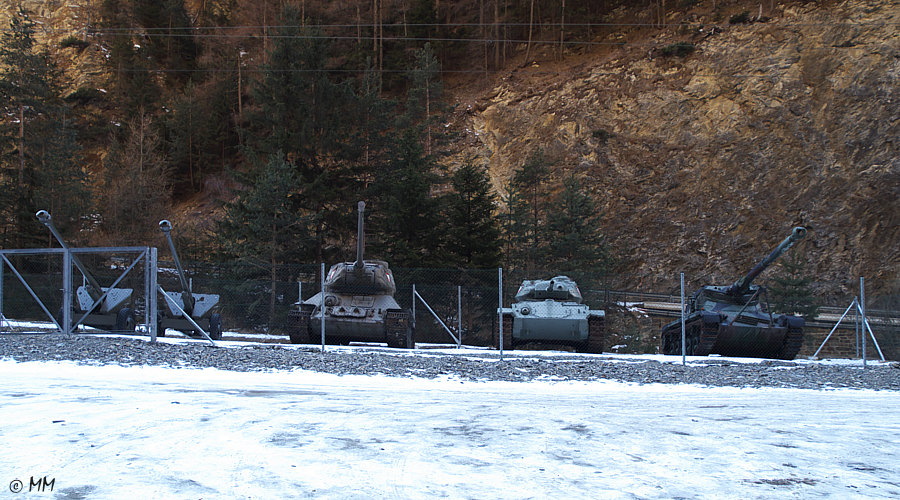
column 103, row 307
column 730, row 320
column 201, row 307
column 357, row 304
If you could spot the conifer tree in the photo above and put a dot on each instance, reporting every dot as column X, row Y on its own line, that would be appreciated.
column 791, row 293
column 473, row 236
column 37, row 146
column 527, row 212
column 574, row 238
column 264, row 227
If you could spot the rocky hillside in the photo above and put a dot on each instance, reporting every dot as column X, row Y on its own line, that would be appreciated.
column 703, row 159
column 704, row 162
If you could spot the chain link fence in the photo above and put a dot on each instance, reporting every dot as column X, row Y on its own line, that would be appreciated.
column 257, row 300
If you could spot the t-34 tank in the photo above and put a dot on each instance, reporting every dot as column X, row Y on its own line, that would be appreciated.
column 551, row 312
column 730, row 320
column 359, row 305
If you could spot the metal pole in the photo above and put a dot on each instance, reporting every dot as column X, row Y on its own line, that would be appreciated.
column 153, row 298
column 299, row 291
column 862, row 308
column 414, row 306
column 1, row 297
column 500, row 308
column 856, row 323
column 683, row 336
column 458, row 314
column 322, row 305
column 836, row 325
column 67, row 292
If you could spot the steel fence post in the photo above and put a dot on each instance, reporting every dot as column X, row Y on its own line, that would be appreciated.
column 500, row 308
column 67, row 292
column 862, row 307
column 322, row 304
column 152, row 297
column 683, row 335
column 459, row 315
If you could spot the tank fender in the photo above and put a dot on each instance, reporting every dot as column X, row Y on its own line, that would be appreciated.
column 710, row 318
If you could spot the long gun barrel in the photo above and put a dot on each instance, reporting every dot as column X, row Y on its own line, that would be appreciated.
column 360, row 239
column 186, row 296
column 93, row 288
column 742, row 285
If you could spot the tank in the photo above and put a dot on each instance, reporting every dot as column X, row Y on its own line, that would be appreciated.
column 358, row 303
column 551, row 312
column 732, row 320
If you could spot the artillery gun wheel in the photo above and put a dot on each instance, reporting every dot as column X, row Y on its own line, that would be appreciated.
column 215, row 326
column 298, row 327
column 594, row 343
column 125, row 321
column 397, row 329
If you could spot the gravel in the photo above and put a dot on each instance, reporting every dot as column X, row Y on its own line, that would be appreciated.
column 477, row 365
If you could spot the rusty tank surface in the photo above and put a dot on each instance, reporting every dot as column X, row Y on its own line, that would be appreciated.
column 552, row 312
column 735, row 321
column 357, row 305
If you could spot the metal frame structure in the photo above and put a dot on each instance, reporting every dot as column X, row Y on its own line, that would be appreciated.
column 69, row 256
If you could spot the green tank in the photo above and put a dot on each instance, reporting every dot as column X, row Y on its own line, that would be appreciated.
column 358, row 304
column 552, row 312
column 731, row 320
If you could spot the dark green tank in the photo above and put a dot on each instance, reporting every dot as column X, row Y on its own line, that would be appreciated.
column 731, row 320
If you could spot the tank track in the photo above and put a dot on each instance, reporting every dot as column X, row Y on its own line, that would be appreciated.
column 397, row 330
column 793, row 341
column 700, row 338
column 594, row 343
column 298, row 326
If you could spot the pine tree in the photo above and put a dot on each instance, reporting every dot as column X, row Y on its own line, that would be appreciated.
column 407, row 228
column 574, row 239
column 791, row 293
column 473, row 237
column 262, row 227
column 37, row 144
column 135, row 192
column 527, row 212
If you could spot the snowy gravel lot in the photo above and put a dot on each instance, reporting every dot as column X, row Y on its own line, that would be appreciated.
column 465, row 364
column 111, row 417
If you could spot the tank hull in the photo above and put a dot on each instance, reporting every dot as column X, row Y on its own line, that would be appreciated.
column 364, row 318
column 709, row 333
column 553, row 323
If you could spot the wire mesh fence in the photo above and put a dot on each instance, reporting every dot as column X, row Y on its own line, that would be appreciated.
column 448, row 306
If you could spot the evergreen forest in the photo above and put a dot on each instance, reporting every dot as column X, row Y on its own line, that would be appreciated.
column 281, row 115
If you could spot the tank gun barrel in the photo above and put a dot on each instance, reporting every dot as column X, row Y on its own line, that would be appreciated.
column 94, row 289
column 166, row 227
column 742, row 285
column 360, row 238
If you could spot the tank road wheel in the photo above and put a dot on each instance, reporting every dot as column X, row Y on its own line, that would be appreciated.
column 594, row 343
column 298, row 326
column 671, row 339
column 215, row 326
column 397, row 329
column 125, row 320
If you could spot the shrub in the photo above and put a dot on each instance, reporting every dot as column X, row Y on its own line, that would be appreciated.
column 84, row 95
column 679, row 49
column 742, row 18
column 73, row 41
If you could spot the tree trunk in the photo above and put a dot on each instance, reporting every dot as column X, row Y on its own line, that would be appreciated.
column 530, row 28
column 562, row 29
column 21, row 145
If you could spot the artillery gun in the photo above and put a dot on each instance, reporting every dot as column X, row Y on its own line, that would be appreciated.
column 201, row 307
column 551, row 312
column 731, row 320
column 102, row 307
column 357, row 304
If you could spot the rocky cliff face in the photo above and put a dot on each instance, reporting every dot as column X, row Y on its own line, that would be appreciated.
column 704, row 163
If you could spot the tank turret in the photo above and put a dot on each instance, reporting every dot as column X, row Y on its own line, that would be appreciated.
column 361, row 277
column 732, row 321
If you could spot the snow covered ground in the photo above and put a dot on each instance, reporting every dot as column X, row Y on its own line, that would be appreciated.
column 153, row 432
